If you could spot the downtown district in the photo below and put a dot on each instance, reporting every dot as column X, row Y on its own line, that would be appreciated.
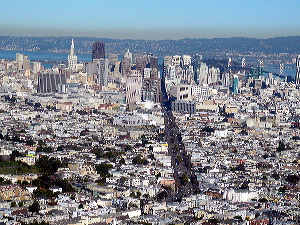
column 86, row 143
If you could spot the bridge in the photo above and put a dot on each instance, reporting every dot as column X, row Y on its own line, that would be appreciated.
column 258, row 71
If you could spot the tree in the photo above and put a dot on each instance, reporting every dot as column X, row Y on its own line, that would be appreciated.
column 161, row 195
column 122, row 161
column 14, row 154
column 21, row 204
column 138, row 160
column 281, row 146
column 244, row 132
column 263, row 200
column 294, row 179
column 43, row 193
column 30, row 142
column 48, row 165
column 184, row 179
column 103, row 169
column 34, row 208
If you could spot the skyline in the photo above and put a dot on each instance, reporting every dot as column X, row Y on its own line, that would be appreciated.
column 150, row 20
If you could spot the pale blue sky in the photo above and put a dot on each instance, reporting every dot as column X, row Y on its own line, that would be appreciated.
column 150, row 19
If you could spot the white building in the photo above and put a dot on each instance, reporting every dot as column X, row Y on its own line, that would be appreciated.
column 134, row 88
column 72, row 58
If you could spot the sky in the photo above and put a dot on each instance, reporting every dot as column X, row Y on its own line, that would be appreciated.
column 150, row 19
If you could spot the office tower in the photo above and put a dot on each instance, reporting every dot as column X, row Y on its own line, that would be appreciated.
column 261, row 68
column 153, row 60
column 49, row 82
column 141, row 63
column 213, row 76
column 147, row 73
column 151, row 89
column 101, row 71
column 167, row 62
column 26, row 63
column 226, row 80
column 97, row 71
column 297, row 70
column 125, row 67
column 196, row 63
column 22, row 61
column 19, row 60
column 98, row 51
column 202, row 74
column 128, row 55
column 37, row 67
column 187, row 74
column 72, row 58
column 235, row 87
column 186, row 60
column 281, row 68
column 229, row 65
column 112, row 59
column 134, row 87
column 176, row 60
column 170, row 72
column 243, row 62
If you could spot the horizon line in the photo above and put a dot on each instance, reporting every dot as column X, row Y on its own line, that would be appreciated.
column 53, row 36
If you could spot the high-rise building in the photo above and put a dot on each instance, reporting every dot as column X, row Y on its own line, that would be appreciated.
column 72, row 58
column 22, row 61
column 186, row 60
column 112, row 59
column 50, row 82
column 176, row 60
column 101, row 71
column 141, row 63
column 97, row 71
column 128, row 55
column 151, row 89
column 243, row 62
column 125, row 67
column 202, row 73
column 154, row 63
column 167, row 62
column 134, row 88
column 98, row 51
column 297, row 70
column 235, row 86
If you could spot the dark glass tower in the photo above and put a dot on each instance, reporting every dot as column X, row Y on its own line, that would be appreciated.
column 98, row 51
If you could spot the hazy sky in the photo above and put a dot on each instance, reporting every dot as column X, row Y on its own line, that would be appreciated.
column 150, row 19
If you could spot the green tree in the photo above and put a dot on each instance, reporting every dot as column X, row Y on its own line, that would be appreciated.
column 103, row 169
column 138, row 160
column 122, row 161
column 184, row 179
column 21, row 204
column 48, row 165
column 14, row 154
column 34, row 207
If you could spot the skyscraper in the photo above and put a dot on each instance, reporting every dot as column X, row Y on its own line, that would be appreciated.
column 98, row 51
column 49, row 82
column 297, row 70
column 72, row 58
column 134, row 87
column 97, row 71
column 141, row 63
